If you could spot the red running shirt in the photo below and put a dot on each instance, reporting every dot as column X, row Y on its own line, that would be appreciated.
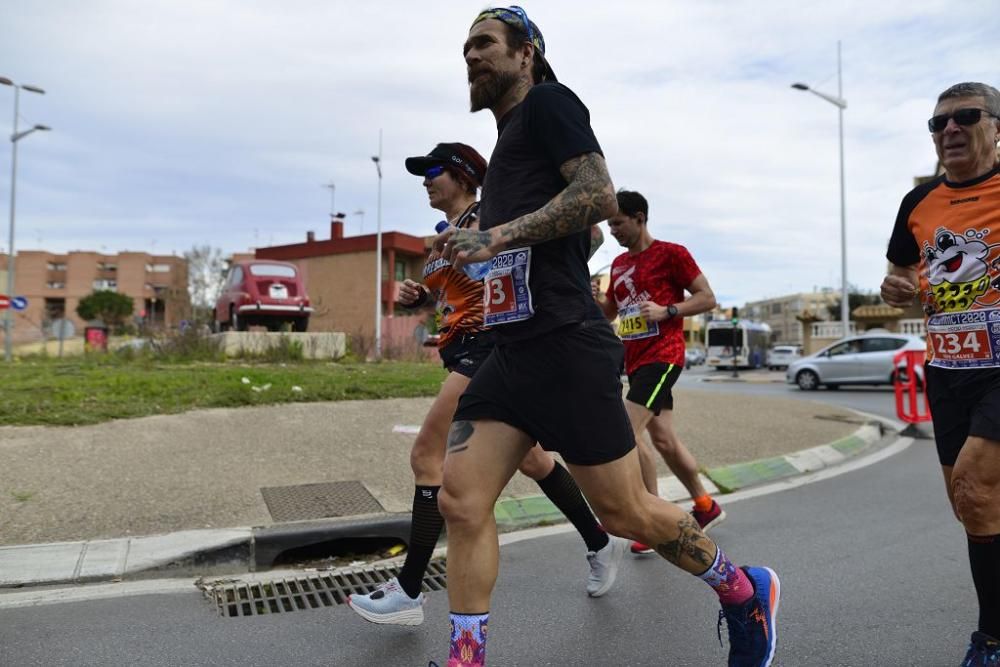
column 660, row 274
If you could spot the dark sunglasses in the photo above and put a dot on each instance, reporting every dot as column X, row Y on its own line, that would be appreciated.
column 434, row 172
column 964, row 117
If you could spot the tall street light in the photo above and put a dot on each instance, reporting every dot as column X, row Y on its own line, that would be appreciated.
column 841, row 104
column 377, row 159
column 8, row 323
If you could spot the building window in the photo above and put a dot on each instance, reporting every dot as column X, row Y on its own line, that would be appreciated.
column 400, row 271
column 775, row 308
column 158, row 268
column 56, row 266
column 52, row 284
column 106, row 266
column 111, row 285
column 55, row 309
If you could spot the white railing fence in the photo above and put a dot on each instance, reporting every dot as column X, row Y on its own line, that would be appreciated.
column 832, row 330
column 913, row 326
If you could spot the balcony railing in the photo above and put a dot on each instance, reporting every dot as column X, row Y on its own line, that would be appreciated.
column 832, row 330
column 912, row 326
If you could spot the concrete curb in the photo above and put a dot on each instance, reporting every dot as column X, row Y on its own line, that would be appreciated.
column 238, row 550
column 204, row 552
column 536, row 510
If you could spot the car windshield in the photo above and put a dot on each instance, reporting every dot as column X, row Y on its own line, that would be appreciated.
column 276, row 270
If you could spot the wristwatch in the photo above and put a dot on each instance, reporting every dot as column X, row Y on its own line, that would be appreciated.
column 671, row 311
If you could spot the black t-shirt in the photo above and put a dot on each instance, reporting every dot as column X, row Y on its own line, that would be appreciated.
column 550, row 126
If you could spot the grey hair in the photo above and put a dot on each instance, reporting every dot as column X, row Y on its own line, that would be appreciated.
column 972, row 89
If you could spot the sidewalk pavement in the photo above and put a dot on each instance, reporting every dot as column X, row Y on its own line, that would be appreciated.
column 186, row 493
column 758, row 376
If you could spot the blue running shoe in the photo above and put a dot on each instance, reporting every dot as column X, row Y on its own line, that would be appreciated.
column 753, row 632
column 984, row 651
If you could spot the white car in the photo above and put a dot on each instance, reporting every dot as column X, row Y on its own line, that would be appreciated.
column 782, row 356
column 864, row 359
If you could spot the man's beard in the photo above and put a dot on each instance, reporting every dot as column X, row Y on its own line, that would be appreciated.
column 486, row 91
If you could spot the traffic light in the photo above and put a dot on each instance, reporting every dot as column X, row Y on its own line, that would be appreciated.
column 736, row 316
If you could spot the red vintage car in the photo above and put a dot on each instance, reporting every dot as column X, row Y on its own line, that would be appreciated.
column 263, row 293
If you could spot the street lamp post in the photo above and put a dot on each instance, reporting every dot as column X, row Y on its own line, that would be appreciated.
column 841, row 104
column 377, row 159
column 8, row 323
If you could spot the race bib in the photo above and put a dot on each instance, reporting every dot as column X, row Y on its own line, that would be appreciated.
column 969, row 339
column 506, row 295
column 633, row 326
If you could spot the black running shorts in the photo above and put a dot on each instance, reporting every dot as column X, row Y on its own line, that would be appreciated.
column 963, row 403
column 465, row 354
column 562, row 388
column 650, row 386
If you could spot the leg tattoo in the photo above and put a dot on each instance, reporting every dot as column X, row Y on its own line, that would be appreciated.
column 690, row 542
column 458, row 436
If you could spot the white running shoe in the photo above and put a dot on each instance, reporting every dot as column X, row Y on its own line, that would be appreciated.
column 604, row 566
column 389, row 604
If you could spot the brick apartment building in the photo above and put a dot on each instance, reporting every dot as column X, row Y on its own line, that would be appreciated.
column 339, row 275
column 54, row 285
column 781, row 313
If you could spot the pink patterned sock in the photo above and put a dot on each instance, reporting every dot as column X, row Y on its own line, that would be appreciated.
column 468, row 640
column 729, row 582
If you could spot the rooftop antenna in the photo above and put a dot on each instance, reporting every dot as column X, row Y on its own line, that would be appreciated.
column 333, row 194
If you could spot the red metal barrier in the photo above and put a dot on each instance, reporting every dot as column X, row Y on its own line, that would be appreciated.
column 910, row 387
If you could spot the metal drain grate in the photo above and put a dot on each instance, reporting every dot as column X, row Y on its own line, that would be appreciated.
column 280, row 596
column 319, row 501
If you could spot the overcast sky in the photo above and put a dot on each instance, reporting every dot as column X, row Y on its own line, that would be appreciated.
column 218, row 122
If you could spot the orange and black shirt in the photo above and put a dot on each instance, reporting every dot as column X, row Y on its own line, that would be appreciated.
column 952, row 232
column 458, row 298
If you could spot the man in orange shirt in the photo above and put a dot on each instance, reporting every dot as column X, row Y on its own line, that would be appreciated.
column 945, row 249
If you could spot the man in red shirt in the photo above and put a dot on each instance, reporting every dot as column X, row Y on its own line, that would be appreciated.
column 646, row 294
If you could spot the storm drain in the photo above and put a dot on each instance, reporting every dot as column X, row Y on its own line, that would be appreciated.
column 281, row 596
column 319, row 501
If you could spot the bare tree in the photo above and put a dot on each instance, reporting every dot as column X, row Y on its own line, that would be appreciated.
column 206, row 274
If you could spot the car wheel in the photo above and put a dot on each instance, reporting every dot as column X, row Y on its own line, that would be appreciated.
column 235, row 321
column 300, row 324
column 807, row 380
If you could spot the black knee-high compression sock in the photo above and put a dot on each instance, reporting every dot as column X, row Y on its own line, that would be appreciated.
column 425, row 529
column 561, row 489
column 984, row 557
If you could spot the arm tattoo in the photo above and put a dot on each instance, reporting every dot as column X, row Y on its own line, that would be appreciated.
column 588, row 198
column 690, row 543
column 470, row 240
column 458, row 437
column 596, row 240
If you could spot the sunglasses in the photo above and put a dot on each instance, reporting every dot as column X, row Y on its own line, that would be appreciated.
column 433, row 172
column 964, row 117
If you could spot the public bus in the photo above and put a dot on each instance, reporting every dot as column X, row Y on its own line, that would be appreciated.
column 752, row 340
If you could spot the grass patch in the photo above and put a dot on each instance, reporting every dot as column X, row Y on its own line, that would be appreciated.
column 97, row 388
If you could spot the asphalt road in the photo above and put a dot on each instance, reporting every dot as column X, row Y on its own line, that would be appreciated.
column 873, row 571
column 877, row 400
